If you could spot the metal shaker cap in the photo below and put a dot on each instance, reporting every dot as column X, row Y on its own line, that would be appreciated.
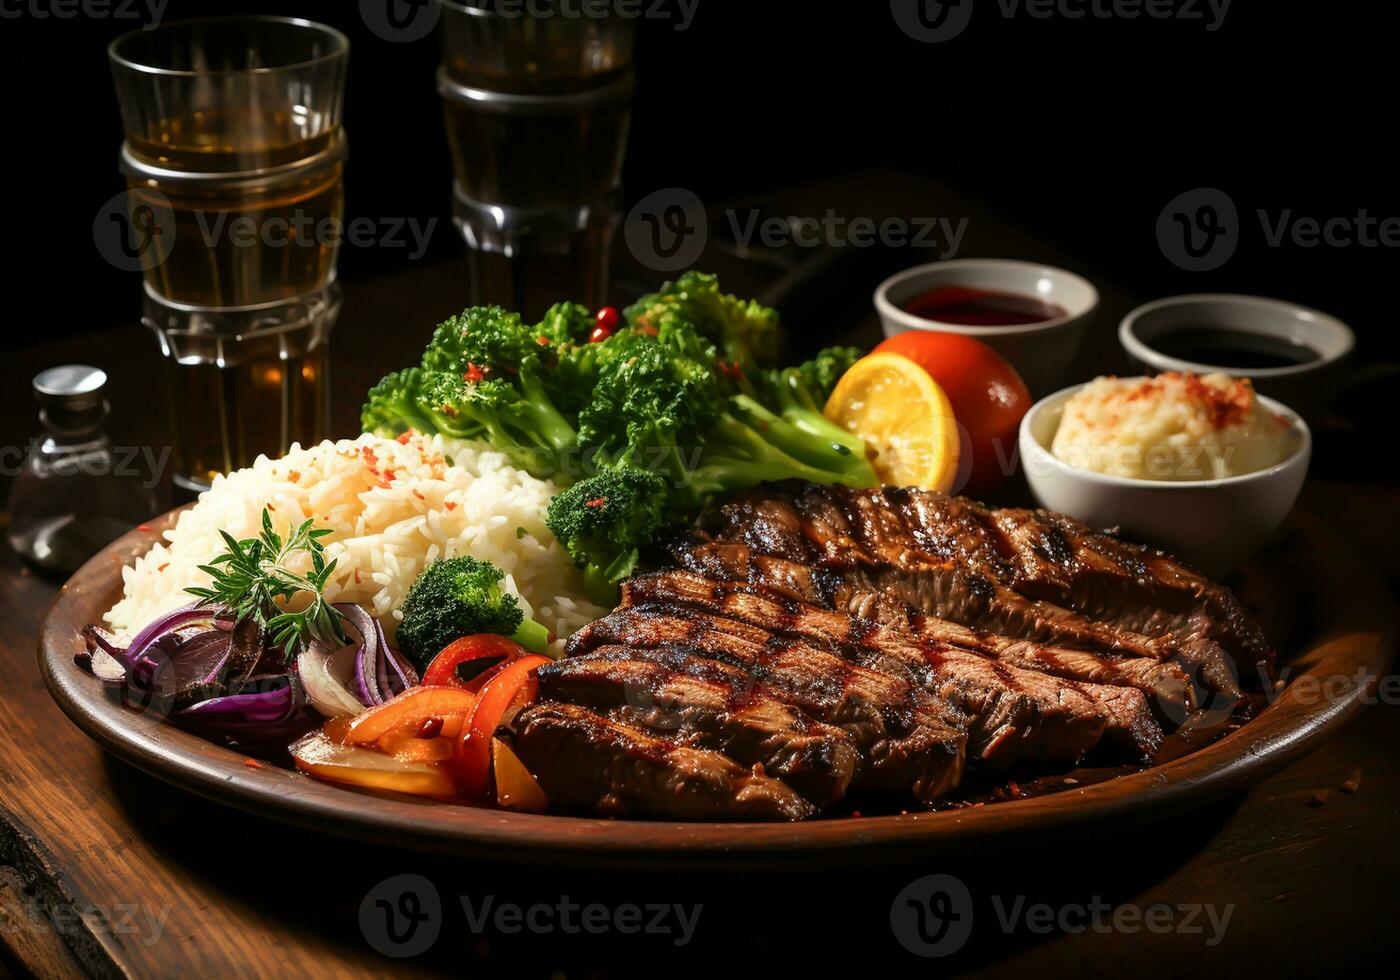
column 71, row 396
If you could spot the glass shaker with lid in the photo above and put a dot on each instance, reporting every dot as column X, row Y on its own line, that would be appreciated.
column 74, row 496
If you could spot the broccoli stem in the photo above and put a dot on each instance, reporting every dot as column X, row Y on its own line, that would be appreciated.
column 532, row 636
column 738, row 457
column 811, row 440
column 797, row 405
column 600, row 586
column 544, row 422
column 601, row 582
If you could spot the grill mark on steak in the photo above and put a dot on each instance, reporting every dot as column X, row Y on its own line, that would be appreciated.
column 956, row 573
column 910, row 742
column 707, row 705
column 865, row 613
column 1052, row 557
column 1012, row 714
column 859, row 597
column 1015, row 675
column 1132, row 586
column 585, row 761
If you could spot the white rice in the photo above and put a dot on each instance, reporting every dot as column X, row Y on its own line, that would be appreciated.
column 394, row 507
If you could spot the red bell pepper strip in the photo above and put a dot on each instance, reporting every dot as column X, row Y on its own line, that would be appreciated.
column 483, row 654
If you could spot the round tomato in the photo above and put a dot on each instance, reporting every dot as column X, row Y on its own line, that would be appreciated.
column 988, row 397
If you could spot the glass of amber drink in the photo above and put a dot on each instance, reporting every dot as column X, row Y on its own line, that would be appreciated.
column 234, row 162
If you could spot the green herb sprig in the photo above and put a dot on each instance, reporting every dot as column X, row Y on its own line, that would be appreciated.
column 252, row 576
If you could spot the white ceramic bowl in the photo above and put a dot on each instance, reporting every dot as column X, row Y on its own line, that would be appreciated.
column 1307, row 387
column 1041, row 352
column 1213, row 524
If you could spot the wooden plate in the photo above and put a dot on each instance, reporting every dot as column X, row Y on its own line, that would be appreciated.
column 1333, row 622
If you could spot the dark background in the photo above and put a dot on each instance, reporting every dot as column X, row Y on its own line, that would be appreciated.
column 1079, row 130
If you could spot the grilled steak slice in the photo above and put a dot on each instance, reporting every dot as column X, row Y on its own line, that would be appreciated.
column 775, row 577
column 926, row 553
column 1070, row 716
column 1129, row 585
column 584, row 761
column 1013, row 714
column 1051, row 557
column 947, row 592
column 705, row 704
column 936, row 586
column 910, row 742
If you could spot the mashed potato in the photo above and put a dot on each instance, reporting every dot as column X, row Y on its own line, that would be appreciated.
column 1171, row 427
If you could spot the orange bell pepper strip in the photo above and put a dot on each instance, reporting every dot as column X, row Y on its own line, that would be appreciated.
column 408, row 712
column 410, row 748
column 471, row 762
column 516, row 788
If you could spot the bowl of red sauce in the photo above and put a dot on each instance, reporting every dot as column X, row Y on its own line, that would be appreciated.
column 1035, row 316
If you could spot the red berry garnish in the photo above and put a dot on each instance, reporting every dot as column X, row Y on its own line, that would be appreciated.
column 607, row 319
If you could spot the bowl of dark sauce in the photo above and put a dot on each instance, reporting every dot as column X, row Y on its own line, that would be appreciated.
column 1033, row 315
column 969, row 307
column 1292, row 353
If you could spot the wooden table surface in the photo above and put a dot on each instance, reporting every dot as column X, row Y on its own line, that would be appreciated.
column 106, row 871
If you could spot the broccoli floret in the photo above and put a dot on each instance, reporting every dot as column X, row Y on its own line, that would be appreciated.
column 605, row 521
column 486, row 338
column 567, row 323
column 650, row 391
column 747, row 333
column 670, row 405
column 818, row 376
column 391, row 408
column 457, row 597
column 486, row 375
column 514, row 414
